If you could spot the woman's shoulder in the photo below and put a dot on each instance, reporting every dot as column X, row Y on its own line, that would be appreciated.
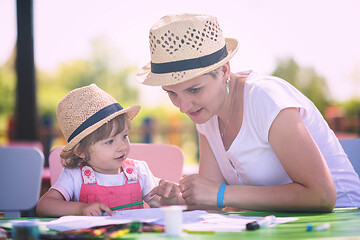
column 259, row 81
column 259, row 87
column 256, row 80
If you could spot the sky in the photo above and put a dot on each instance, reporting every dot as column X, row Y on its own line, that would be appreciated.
column 322, row 34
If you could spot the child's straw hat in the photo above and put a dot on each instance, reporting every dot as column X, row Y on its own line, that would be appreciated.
column 85, row 109
column 183, row 47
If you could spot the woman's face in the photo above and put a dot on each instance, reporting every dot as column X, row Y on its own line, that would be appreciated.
column 200, row 98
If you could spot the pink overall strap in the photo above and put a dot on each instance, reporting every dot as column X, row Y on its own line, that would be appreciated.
column 88, row 175
column 130, row 170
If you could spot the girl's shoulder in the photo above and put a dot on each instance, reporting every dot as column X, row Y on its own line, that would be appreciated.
column 69, row 177
column 142, row 168
column 139, row 164
column 72, row 171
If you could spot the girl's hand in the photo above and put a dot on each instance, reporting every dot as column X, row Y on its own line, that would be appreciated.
column 95, row 209
column 166, row 189
column 196, row 189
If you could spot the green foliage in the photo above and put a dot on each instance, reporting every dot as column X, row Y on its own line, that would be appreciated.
column 81, row 72
column 287, row 70
column 49, row 94
column 306, row 80
column 351, row 107
column 7, row 90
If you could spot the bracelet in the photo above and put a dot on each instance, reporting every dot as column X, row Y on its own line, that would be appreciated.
column 220, row 196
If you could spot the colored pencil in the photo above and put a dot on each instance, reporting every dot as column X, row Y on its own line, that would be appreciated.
column 127, row 205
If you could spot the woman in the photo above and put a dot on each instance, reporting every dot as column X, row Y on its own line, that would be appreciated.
column 263, row 145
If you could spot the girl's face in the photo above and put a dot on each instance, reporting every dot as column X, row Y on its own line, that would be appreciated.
column 200, row 98
column 108, row 155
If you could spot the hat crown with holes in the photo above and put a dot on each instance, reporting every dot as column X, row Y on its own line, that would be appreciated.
column 185, row 46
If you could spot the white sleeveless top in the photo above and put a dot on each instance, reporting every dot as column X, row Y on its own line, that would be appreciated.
column 70, row 180
column 250, row 160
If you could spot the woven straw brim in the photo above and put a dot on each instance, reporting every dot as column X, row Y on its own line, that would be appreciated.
column 131, row 111
column 146, row 77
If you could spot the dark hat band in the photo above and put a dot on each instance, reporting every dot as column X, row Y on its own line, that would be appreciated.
column 98, row 116
column 189, row 64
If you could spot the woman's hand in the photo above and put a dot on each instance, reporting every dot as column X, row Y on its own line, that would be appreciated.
column 199, row 190
column 95, row 209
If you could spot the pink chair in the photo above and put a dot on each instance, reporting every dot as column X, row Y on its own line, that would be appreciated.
column 165, row 161
column 55, row 166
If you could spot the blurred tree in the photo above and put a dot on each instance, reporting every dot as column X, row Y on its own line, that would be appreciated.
column 355, row 81
column 306, row 80
column 351, row 107
column 288, row 70
column 81, row 72
column 7, row 87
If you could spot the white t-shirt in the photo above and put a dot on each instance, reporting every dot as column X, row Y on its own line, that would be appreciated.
column 70, row 181
column 250, row 160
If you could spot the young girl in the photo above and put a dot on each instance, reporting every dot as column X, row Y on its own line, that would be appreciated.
column 97, row 175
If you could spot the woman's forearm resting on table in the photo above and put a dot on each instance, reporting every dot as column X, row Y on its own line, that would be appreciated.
column 287, row 197
column 198, row 190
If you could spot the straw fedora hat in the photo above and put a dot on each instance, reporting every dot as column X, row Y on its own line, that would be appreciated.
column 185, row 46
column 85, row 109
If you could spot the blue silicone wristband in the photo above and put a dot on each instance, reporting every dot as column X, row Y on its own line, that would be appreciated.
column 220, row 196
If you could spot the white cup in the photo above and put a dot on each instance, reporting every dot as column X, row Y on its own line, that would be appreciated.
column 173, row 220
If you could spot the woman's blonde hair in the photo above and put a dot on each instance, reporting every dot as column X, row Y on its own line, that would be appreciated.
column 214, row 73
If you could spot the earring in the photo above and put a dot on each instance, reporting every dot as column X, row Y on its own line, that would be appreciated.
column 227, row 85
